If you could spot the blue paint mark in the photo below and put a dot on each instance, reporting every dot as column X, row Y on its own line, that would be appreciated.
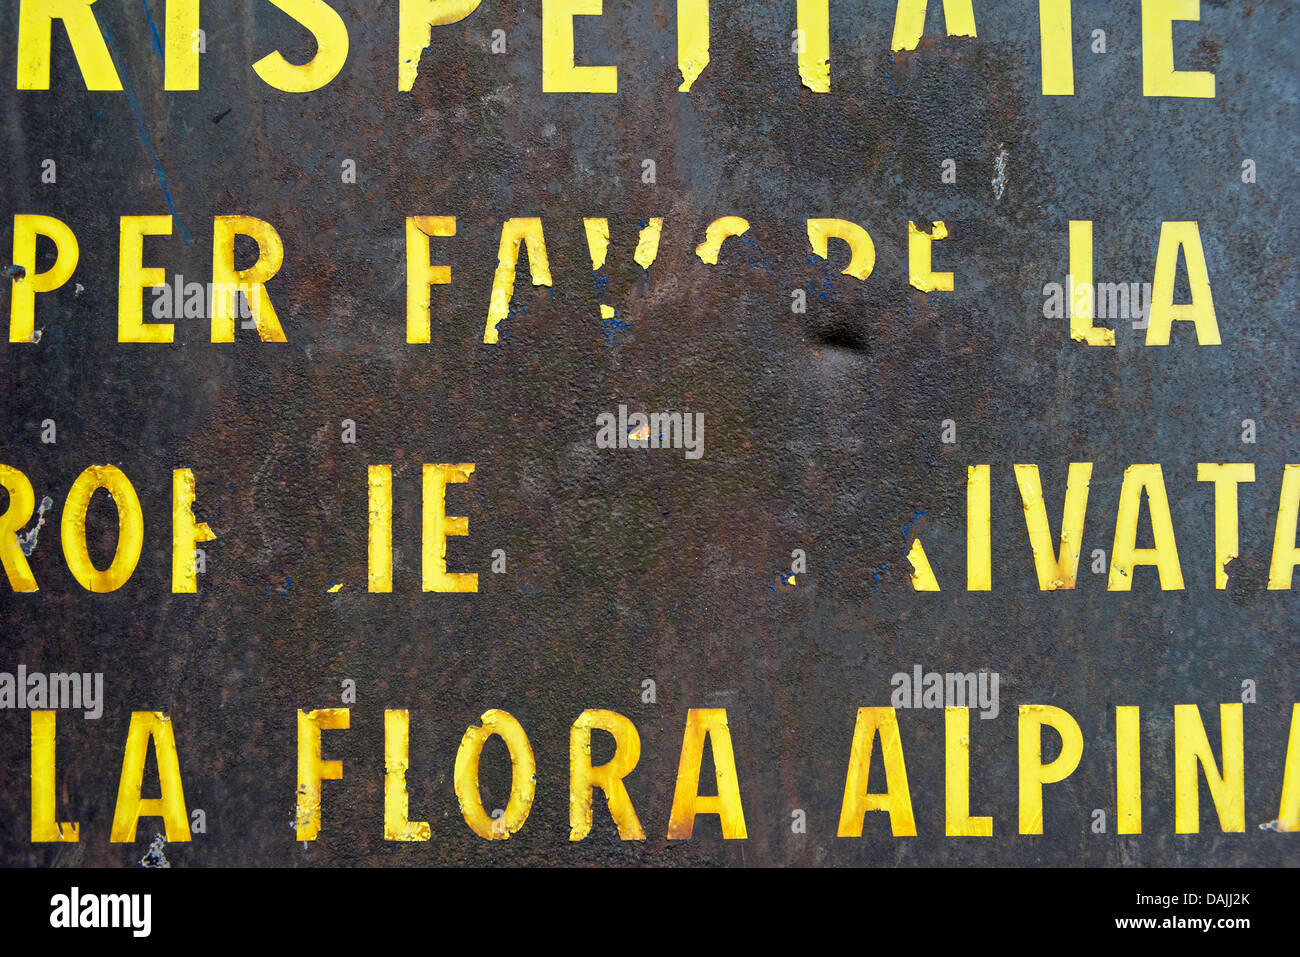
column 915, row 516
column 147, row 142
column 157, row 44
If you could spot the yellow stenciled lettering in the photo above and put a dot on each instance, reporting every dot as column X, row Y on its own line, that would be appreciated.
column 1192, row 748
column 1128, row 771
column 420, row 274
column 1126, row 555
column 331, row 49
column 716, row 234
column 1286, row 553
column 1033, row 773
column 1056, row 47
column 45, row 825
column 514, row 232
column 187, row 532
column 706, row 724
column 1226, row 479
column 897, row 799
column 1164, row 311
column 379, row 528
column 920, row 259
column 17, row 513
column 958, row 822
column 584, row 779
column 133, row 278
column 416, row 20
column 27, row 282
column 227, row 281
column 1159, row 78
column 1057, row 569
column 149, row 726
column 35, row 26
column 862, row 251
column 130, row 528
column 909, row 21
column 559, row 72
column 692, row 40
column 1082, row 291
column 312, row 768
column 397, row 802
column 523, row 769
column 814, row 44
column 438, row 525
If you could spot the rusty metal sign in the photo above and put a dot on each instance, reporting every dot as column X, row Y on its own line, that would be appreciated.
column 734, row 433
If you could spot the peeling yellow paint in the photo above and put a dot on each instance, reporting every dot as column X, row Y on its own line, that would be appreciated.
column 862, row 250
column 438, row 526
column 186, row 533
column 133, row 278
column 1081, row 292
column 526, row 231
column 647, row 244
column 814, row 44
column 226, row 279
column 920, row 259
column 1057, row 570
column 692, row 40
column 559, row 72
column 922, row 574
column 1227, row 538
column 420, row 273
column 397, row 802
column 312, row 769
column 717, row 233
column 597, row 231
column 416, row 20
column 909, row 22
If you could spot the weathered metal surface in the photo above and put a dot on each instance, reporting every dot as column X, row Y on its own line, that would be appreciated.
column 822, row 430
